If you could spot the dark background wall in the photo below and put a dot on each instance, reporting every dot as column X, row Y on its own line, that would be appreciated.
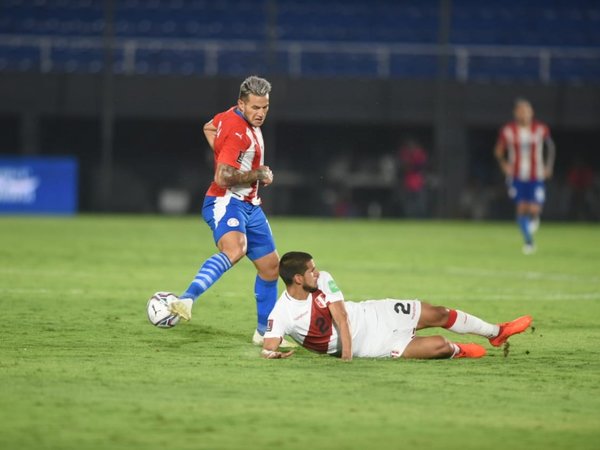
column 313, row 124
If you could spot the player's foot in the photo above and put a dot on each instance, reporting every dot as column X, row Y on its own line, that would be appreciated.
column 507, row 329
column 259, row 339
column 182, row 307
column 528, row 249
column 469, row 351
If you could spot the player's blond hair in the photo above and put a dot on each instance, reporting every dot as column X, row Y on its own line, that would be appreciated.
column 254, row 85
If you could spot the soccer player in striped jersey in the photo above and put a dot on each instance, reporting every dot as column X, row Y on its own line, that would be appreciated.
column 521, row 156
column 232, row 206
column 313, row 312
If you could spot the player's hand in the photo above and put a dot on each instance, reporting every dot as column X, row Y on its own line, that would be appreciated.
column 346, row 357
column 265, row 175
column 276, row 355
column 548, row 173
column 507, row 170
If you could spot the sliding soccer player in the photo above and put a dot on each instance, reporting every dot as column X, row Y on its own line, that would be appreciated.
column 313, row 312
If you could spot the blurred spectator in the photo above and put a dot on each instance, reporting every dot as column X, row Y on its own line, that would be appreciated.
column 412, row 162
column 344, row 206
column 580, row 180
column 475, row 200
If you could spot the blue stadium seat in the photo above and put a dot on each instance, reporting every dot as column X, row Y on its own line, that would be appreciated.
column 502, row 68
column 81, row 60
column 332, row 64
column 575, row 69
column 554, row 23
column 169, row 61
column 413, row 66
column 21, row 59
column 234, row 62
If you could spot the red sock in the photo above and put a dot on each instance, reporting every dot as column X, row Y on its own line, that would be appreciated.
column 451, row 318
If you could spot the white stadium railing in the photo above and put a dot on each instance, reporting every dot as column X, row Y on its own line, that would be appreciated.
column 459, row 57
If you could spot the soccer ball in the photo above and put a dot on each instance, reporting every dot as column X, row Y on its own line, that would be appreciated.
column 158, row 310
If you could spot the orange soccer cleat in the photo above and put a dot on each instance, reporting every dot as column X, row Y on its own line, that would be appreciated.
column 470, row 351
column 507, row 329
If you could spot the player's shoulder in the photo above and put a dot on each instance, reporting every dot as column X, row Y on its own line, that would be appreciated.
column 283, row 302
column 507, row 127
column 282, row 308
column 230, row 120
column 324, row 276
column 327, row 284
column 542, row 125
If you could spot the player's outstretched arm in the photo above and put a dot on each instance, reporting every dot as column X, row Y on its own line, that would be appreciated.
column 340, row 317
column 227, row 176
column 269, row 350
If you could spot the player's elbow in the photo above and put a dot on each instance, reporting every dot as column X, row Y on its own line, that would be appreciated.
column 498, row 153
column 220, row 180
column 341, row 319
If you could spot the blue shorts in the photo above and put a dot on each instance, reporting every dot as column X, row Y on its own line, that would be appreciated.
column 527, row 191
column 225, row 214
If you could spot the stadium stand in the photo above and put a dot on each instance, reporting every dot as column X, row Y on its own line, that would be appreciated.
column 201, row 37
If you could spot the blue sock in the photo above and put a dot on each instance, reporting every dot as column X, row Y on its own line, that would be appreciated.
column 523, row 221
column 209, row 273
column 266, row 296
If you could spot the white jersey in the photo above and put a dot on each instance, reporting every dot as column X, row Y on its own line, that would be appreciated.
column 379, row 328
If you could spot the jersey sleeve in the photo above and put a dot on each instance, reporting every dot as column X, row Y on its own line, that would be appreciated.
column 278, row 322
column 231, row 143
column 502, row 135
column 328, row 286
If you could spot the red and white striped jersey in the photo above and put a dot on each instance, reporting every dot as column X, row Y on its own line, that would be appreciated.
column 240, row 145
column 376, row 330
column 525, row 147
column 309, row 321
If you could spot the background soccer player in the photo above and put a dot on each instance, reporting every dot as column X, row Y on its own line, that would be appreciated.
column 520, row 154
column 232, row 205
column 313, row 312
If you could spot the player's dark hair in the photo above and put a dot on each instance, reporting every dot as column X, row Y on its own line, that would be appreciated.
column 254, row 85
column 293, row 263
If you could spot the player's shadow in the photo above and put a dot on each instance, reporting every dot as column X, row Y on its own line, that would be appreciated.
column 206, row 333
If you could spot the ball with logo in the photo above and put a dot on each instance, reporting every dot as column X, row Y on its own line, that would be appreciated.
column 158, row 311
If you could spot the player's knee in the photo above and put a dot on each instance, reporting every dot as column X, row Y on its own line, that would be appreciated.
column 234, row 245
column 234, row 252
column 272, row 273
column 441, row 315
column 434, row 316
column 269, row 268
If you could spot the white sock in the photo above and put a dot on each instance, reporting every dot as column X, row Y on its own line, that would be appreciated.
column 462, row 323
column 456, row 349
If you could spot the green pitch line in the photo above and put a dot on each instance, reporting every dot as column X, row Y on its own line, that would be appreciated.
column 80, row 367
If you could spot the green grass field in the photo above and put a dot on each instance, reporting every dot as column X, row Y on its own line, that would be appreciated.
column 81, row 368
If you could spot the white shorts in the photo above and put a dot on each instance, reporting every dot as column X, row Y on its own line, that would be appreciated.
column 390, row 326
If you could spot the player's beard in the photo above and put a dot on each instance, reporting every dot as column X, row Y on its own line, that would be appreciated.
column 310, row 289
